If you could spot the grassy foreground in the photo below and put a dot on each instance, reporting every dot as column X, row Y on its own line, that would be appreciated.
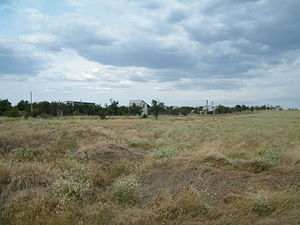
column 223, row 170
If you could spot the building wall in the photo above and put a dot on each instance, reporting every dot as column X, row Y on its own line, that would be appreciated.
column 141, row 104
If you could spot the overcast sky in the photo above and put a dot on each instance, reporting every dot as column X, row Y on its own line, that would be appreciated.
column 178, row 51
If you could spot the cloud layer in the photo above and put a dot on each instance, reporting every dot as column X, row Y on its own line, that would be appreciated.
column 202, row 49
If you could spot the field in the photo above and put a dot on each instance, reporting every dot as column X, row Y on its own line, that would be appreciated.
column 221, row 170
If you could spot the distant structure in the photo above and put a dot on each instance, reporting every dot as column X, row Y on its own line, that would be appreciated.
column 72, row 103
column 141, row 104
column 209, row 108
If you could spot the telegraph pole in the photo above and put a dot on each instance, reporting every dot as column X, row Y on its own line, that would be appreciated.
column 31, row 107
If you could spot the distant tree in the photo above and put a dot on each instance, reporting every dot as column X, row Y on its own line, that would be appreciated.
column 5, row 106
column 135, row 109
column 23, row 105
column 172, row 110
column 112, row 109
column 185, row 110
column 123, row 110
column 102, row 113
column 14, row 112
column 157, row 107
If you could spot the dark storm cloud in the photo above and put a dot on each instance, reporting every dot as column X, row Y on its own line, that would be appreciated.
column 16, row 61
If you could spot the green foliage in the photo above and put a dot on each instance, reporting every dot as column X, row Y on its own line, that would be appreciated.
column 164, row 153
column 112, row 109
column 71, row 188
column 262, row 205
column 185, row 111
column 102, row 113
column 14, row 112
column 5, row 106
column 157, row 107
column 144, row 116
column 267, row 160
column 135, row 110
column 125, row 190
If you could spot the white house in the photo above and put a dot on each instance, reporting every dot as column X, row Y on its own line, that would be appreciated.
column 141, row 104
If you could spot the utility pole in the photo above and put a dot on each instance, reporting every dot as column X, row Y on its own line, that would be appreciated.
column 31, row 107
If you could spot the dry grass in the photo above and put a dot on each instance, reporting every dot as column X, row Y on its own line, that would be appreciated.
column 233, row 169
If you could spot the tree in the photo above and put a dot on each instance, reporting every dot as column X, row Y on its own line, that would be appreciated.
column 112, row 109
column 5, row 106
column 157, row 107
column 102, row 112
column 14, row 112
column 23, row 106
column 135, row 109
column 185, row 110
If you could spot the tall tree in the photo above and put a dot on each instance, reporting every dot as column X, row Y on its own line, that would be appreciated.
column 5, row 106
column 157, row 107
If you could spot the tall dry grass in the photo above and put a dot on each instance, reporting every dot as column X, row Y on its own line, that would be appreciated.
column 229, row 169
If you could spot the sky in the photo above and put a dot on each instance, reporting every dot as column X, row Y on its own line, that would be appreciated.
column 180, row 52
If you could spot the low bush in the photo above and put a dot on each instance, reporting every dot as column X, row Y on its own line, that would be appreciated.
column 71, row 188
column 125, row 190
column 164, row 153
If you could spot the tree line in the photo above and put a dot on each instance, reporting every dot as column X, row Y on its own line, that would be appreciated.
column 48, row 109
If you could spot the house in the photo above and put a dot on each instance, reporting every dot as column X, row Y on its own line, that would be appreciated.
column 141, row 104
column 72, row 103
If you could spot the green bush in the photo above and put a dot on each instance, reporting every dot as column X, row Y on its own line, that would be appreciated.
column 262, row 205
column 267, row 160
column 166, row 152
column 125, row 190
column 71, row 188
column 14, row 112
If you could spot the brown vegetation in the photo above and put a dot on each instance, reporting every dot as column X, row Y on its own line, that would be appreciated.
column 234, row 170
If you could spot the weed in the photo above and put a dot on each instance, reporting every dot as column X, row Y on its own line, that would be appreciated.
column 164, row 153
column 269, row 159
column 71, row 188
column 125, row 190
column 239, row 155
column 265, row 161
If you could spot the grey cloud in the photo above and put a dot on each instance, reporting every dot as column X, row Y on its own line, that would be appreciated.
column 79, row 34
column 152, row 5
column 209, row 85
column 17, row 61
column 177, row 15
column 233, row 37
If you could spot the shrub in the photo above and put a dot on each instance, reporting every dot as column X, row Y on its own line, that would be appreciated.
column 71, row 188
column 14, row 112
column 125, row 190
column 269, row 159
column 144, row 116
column 162, row 153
